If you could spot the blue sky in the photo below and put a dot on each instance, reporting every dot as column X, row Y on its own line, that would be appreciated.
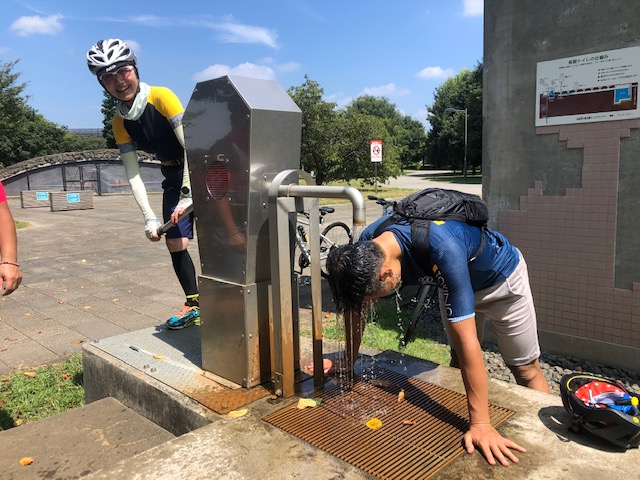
column 401, row 50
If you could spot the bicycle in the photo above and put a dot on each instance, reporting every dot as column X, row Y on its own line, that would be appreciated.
column 336, row 233
column 425, row 296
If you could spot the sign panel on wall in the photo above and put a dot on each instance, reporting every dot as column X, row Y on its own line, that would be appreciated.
column 591, row 87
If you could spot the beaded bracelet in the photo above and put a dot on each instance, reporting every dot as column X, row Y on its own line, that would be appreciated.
column 10, row 263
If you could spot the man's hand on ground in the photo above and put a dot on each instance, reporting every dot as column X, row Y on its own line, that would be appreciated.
column 327, row 366
column 491, row 444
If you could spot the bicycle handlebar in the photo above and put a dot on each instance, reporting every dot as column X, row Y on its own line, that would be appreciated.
column 380, row 200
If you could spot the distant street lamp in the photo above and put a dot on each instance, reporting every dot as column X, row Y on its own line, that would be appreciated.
column 464, row 163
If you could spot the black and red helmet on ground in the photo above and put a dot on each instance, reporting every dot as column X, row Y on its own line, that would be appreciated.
column 617, row 420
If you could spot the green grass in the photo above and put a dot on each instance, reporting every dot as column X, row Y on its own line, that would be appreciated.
column 381, row 191
column 386, row 331
column 20, row 224
column 25, row 397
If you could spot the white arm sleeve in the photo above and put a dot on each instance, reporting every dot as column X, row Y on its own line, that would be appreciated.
column 130, row 162
column 186, row 181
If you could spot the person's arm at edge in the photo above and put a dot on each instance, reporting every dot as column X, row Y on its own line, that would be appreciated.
column 10, row 274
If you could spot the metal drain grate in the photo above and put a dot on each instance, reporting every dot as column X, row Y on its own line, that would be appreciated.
column 222, row 400
column 419, row 436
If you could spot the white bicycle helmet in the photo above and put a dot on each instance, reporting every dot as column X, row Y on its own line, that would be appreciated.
column 108, row 53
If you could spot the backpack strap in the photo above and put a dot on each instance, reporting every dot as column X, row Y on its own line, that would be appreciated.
column 420, row 243
column 481, row 247
column 420, row 240
column 394, row 218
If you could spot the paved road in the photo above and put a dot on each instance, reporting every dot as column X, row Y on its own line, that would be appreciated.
column 418, row 180
column 91, row 274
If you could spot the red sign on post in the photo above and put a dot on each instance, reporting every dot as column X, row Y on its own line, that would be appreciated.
column 376, row 150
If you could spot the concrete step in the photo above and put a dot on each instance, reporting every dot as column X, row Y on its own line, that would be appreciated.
column 77, row 442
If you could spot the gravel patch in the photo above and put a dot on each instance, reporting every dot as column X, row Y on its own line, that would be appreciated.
column 554, row 365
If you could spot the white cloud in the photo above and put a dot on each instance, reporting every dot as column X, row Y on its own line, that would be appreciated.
column 244, row 69
column 388, row 90
column 237, row 33
column 280, row 67
column 473, row 8
column 38, row 25
column 434, row 72
column 135, row 46
column 288, row 67
column 340, row 99
column 4, row 50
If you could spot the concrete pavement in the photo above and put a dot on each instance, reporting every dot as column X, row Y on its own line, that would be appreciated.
column 88, row 274
column 92, row 274
column 419, row 180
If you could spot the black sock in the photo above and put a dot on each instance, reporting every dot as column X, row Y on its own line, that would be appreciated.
column 186, row 273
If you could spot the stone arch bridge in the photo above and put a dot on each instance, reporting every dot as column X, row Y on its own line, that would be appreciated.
column 97, row 170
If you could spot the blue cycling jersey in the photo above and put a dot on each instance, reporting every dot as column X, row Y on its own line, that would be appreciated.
column 452, row 245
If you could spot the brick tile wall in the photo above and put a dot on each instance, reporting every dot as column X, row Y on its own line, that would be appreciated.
column 569, row 242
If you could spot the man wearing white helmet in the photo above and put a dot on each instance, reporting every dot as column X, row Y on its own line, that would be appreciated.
column 149, row 118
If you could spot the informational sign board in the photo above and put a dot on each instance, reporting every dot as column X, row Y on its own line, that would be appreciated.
column 593, row 87
column 376, row 151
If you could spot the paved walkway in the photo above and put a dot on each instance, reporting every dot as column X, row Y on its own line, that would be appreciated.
column 88, row 274
column 92, row 274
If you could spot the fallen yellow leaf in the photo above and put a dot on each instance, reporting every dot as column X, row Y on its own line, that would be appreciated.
column 238, row 413
column 401, row 396
column 158, row 356
column 374, row 423
column 83, row 261
column 26, row 461
column 308, row 402
column 408, row 422
column 30, row 374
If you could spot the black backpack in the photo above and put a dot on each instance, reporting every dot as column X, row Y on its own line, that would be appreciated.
column 420, row 208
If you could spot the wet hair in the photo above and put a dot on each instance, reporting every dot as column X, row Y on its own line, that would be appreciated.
column 354, row 273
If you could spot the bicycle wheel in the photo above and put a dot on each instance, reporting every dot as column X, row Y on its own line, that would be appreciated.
column 334, row 235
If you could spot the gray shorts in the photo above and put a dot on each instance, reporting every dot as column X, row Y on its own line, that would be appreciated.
column 509, row 307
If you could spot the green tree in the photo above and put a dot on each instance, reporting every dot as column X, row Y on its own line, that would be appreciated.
column 318, row 152
column 24, row 133
column 445, row 141
column 108, row 111
column 76, row 143
column 355, row 131
column 408, row 134
column 379, row 107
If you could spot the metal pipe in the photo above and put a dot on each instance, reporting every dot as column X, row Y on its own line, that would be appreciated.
column 279, row 237
column 322, row 191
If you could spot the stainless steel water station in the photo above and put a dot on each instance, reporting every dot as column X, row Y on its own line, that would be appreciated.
column 240, row 133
